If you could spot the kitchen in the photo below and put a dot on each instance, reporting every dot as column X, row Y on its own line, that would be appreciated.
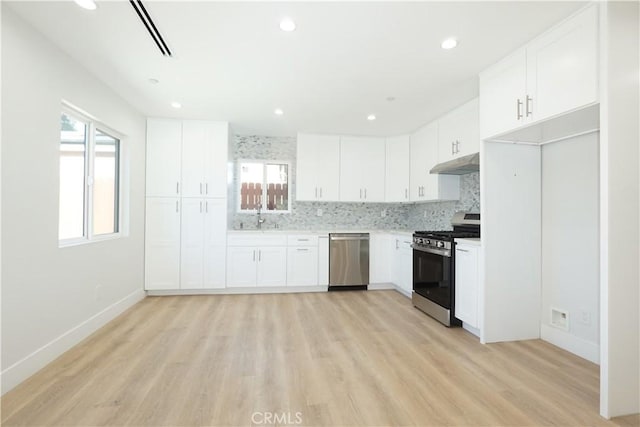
column 203, row 218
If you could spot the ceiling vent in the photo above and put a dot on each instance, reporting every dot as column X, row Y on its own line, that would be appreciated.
column 150, row 26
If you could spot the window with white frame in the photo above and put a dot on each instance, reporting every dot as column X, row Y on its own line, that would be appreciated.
column 263, row 184
column 89, row 197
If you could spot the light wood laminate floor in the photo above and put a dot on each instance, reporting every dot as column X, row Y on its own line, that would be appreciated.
column 339, row 358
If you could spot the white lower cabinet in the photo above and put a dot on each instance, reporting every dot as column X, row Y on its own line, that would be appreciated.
column 379, row 265
column 302, row 266
column 467, row 283
column 402, row 263
column 256, row 266
column 203, row 241
column 162, row 243
column 323, row 260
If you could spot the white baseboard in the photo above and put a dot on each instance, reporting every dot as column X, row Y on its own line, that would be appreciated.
column 29, row 365
column 380, row 286
column 471, row 329
column 235, row 291
column 578, row 346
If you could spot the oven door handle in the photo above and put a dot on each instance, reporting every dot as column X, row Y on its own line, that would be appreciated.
column 442, row 252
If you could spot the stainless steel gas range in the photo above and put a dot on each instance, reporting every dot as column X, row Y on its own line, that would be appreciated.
column 434, row 267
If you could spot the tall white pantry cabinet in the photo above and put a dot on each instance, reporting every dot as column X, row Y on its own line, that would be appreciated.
column 186, row 204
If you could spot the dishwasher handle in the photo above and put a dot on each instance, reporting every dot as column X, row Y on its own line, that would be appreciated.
column 349, row 236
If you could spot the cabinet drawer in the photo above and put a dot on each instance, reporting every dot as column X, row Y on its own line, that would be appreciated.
column 256, row 239
column 302, row 240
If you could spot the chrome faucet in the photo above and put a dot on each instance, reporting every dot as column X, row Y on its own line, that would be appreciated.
column 260, row 219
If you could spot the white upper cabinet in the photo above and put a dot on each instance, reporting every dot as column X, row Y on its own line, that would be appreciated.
column 554, row 74
column 458, row 133
column 397, row 169
column 562, row 67
column 164, row 140
column 362, row 162
column 204, row 158
column 318, row 167
column 502, row 92
column 424, row 154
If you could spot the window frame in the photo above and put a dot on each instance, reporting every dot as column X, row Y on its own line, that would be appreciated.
column 263, row 197
column 93, row 125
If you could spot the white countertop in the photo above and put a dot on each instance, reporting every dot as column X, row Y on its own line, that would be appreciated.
column 285, row 231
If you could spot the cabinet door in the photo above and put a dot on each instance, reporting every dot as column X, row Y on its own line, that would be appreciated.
column 352, row 151
column 194, row 140
column 562, row 66
column 467, row 284
column 215, row 237
column 323, row 260
column 307, row 167
column 379, row 265
column 424, row 149
column 502, row 87
column 397, row 169
column 162, row 243
column 468, row 134
column 163, row 157
column 406, row 265
column 241, row 266
column 328, row 168
column 302, row 266
column 192, row 244
column 373, row 168
column 272, row 266
column 215, row 159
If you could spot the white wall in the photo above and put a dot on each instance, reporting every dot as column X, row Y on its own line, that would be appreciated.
column 619, row 165
column 510, row 191
column 570, row 243
column 49, row 297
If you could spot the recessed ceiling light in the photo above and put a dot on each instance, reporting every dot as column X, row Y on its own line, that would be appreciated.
column 86, row 4
column 371, row 117
column 278, row 112
column 449, row 43
column 287, row 25
column 175, row 104
column 154, row 81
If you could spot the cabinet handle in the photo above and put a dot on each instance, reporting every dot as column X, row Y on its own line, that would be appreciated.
column 176, row 206
column 321, row 192
column 201, row 207
column 206, row 206
column 200, row 188
column 206, row 188
column 457, row 146
column 361, row 193
column 461, row 250
column 365, row 193
column 316, row 192
column 259, row 255
column 406, row 193
column 453, row 148
column 397, row 242
column 303, row 240
column 528, row 111
column 518, row 106
column 254, row 256
column 177, row 188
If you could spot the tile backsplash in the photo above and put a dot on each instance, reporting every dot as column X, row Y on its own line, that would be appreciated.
column 338, row 215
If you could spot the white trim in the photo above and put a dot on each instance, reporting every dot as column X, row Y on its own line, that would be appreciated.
column 235, row 291
column 29, row 365
column 573, row 344
column 471, row 329
column 380, row 286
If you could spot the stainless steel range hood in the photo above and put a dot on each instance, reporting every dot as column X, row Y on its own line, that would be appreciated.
column 459, row 166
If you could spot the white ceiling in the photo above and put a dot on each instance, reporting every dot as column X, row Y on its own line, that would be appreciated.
column 232, row 62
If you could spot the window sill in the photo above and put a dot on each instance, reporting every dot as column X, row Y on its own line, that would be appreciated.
column 83, row 241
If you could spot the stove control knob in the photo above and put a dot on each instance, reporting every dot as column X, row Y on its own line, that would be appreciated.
column 428, row 242
column 440, row 244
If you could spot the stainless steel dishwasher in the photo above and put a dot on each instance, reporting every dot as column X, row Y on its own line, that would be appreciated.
column 348, row 261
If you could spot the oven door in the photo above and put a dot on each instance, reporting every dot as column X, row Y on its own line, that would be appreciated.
column 433, row 276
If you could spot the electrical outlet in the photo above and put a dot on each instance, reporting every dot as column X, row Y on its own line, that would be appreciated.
column 383, row 213
column 319, row 212
column 585, row 317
